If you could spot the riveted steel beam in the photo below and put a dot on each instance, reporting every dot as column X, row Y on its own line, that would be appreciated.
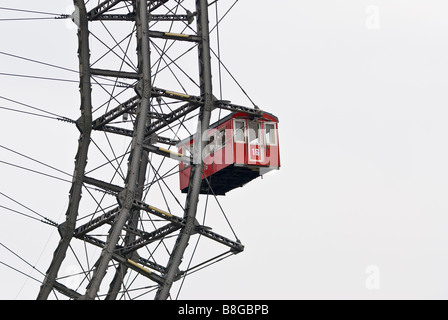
column 205, row 77
column 116, row 112
column 99, row 12
column 133, row 179
column 174, row 36
column 102, row 8
column 226, row 105
column 85, row 127
column 97, row 222
column 153, row 17
column 115, row 74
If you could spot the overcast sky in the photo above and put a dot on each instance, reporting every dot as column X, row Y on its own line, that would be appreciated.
column 358, row 209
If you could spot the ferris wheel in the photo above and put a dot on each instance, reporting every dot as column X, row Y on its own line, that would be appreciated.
column 158, row 146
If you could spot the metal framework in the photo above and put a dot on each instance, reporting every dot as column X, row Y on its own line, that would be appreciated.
column 116, row 231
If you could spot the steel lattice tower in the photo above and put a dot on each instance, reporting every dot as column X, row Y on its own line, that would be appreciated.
column 116, row 241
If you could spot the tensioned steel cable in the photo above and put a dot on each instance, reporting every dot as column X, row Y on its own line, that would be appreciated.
column 179, row 2
column 60, row 79
column 20, row 213
column 120, row 84
column 46, row 220
column 35, row 171
column 54, row 15
column 29, row 113
column 171, row 70
column 26, row 19
column 21, row 272
column 165, row 48
column 18, row 256
column 35, row 160
column 50, row 115
column 208, row 180
column 37, row 61
column 233, row 78
column 224, row 15
column 30, row 11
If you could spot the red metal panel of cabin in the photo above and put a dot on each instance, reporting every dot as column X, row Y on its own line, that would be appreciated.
column 231, row 145
column 239, row 127
column 256, row 141
column 215, row 158
column 221, row 154
column 184, row 170
column 256, row 149
column 270, row 131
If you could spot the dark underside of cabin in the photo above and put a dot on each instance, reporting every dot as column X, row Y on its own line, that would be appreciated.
column 227, row 179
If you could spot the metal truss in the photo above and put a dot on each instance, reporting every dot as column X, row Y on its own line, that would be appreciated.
column 126, row 231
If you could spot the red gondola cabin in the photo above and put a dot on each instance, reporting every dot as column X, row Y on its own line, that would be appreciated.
column 239, row 148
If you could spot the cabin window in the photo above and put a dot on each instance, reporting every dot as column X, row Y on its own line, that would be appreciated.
column 271, row 137
column 186, row 153
column 220, row 138
column 210, row 147
column 254, row 134
column 240, row 131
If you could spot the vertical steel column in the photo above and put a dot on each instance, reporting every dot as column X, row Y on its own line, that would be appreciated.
column 84, row 125
column 130, row 191
column 196, row 172
column 122, row 269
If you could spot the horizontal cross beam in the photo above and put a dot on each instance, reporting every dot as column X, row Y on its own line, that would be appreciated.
column 235, row 246
column 226, row 105
column 116, row 112
column 114, row 73
column 99, row 11
column 152, row 17
column 103, row 185
column 102, row 8
column 174, row 36
column 149, row 237
column 97, row 222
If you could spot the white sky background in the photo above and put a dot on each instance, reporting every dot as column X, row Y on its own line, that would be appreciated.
column 360, row 89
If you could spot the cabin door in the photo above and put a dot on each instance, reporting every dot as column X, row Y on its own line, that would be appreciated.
column 256, row 145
